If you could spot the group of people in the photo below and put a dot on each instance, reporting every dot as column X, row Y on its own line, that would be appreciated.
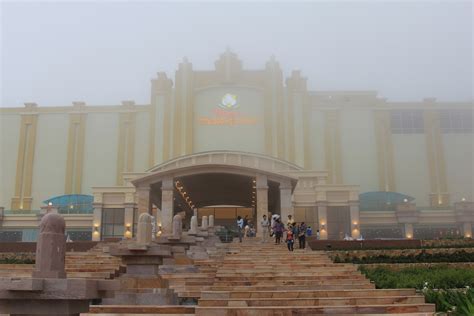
column 277, row 229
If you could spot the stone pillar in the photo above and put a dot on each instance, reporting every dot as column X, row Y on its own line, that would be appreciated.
column 97, row 221
column 408, row 230
column 144, row 229
column 167, row 204
column 407, row 215
column 286, row 207
column 193, row 226
column 355, row 224
column 128, row 220
column 51, row 248
column 143, row 200
column 204, row 223
column 465, row 216
column 177, row 227
column 211, row 221
column 467, row 230
column 262, row 201
column 322, row 217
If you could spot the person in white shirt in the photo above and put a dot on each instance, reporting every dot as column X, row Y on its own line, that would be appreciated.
column 240, row 226
column 264, row 223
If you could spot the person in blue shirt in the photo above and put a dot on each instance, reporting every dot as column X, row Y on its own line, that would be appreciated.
column 309, row 231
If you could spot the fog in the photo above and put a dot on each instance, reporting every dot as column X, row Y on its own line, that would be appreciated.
column 106, row 52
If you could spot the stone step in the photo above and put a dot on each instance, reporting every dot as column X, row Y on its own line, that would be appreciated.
column 306, row 293
column 427, row 309
column 322, row 301
column 143, row 309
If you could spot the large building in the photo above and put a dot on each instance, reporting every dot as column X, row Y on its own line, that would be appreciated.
column 232, row 141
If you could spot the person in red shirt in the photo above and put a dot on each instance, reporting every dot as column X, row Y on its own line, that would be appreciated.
column 290, row 238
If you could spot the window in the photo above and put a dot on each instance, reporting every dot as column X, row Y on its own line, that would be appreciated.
column 113, row 222
column 456, row 121
column 406, row 121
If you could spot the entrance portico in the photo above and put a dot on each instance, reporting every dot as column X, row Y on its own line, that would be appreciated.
column 257, row 183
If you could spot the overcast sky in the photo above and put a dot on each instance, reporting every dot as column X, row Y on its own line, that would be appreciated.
column 105, row 52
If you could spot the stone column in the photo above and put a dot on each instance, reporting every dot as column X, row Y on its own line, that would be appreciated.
column 204, row 223
column 144, row 229
column 193, row 225
column 211, row 221
column 262, row 201
column 355, row 224
column 167, row 203
column 286, row 207
column 143, row 200
column 128, row 220
column 408, row 230
column 97, row 221
column 323, row 223
column 467, row 230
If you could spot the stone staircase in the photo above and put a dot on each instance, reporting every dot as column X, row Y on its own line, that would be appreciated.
column 92, row 264
column 266, row 279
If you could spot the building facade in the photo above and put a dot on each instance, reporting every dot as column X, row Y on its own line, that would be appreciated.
column 258, row 141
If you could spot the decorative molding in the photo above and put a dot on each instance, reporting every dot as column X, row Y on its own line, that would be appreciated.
column 126, row 141
column 435, row 157
column 75, row 149
column 25, row 158
column 384, row 146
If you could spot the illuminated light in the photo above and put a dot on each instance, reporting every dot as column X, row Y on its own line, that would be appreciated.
column 463, row 199
column 128, row 225
column 405, row 200
column 409, row 236
column 355, row 223
column 50, row 203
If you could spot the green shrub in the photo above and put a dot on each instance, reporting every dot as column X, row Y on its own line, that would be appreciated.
column 422, row 257
column 439, row 277
column 15, row 260
column 456, row 302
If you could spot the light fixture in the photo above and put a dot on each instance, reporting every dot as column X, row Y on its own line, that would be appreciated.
column 323, row 225
column 405, row 200
column 409, row 236
column 96, row 229
column 50, row 203
column 463, row 199
column 128, row 232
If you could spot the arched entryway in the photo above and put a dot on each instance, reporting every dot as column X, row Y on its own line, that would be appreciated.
column 219, row 178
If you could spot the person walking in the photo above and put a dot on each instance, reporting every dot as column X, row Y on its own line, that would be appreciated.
column 290, row 221
column 302, row 235
column 279, row 227
column 246, row 226
column 240, row 226
column 290, row 240
column 264, row 223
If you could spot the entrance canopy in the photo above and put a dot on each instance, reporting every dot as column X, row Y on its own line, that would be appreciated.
column 217, row 178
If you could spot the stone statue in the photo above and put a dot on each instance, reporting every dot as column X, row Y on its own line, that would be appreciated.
column 211, row 221
column 144, row 230
column 51, row 248
column 204, row 223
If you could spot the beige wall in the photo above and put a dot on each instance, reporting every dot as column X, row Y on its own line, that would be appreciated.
column 459, row 158
column 411, row 167
column 49, row 165
column 358, row 149
column 100, row 152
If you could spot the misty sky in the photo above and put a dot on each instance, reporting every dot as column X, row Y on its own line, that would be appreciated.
column 106, row 52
